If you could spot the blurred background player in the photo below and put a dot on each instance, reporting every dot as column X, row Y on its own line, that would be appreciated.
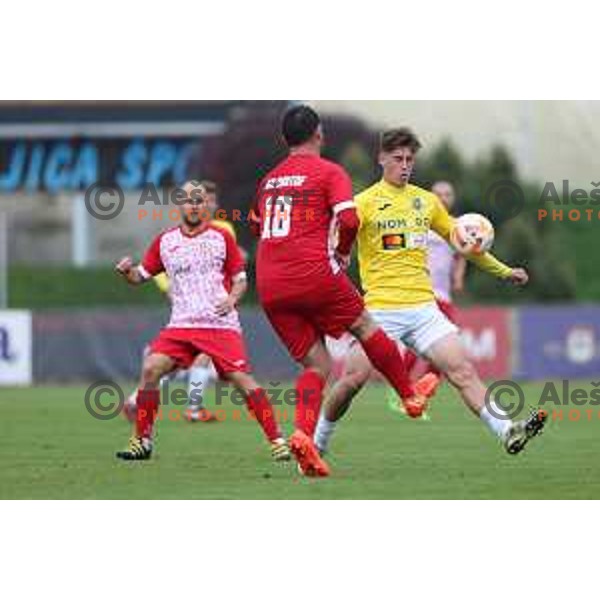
column 202, row 373
column 395, row 219
column 207, row 279
column 447, row 269
column 301, row 279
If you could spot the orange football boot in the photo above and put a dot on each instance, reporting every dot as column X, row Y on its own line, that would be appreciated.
column 306, row 454
column 424, row 389
column 427, row 385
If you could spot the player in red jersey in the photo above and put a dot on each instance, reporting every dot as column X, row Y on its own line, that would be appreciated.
column 301, row 277
column 207, row 276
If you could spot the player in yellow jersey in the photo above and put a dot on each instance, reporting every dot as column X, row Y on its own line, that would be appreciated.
column 395, row 218
column 202, row 373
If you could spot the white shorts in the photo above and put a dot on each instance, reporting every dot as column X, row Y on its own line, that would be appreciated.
column 419, row 327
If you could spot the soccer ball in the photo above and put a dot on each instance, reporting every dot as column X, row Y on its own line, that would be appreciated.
column 472, row 234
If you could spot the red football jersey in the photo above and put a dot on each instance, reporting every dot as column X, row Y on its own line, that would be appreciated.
column 296, row 204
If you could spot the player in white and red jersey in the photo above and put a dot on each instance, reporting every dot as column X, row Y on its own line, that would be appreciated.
column 207, row 276
column 202, row 373
column 301, row 279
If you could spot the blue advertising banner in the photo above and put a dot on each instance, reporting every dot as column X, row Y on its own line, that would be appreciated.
column 85, row 345
column 558, row 342
column 70, row 165
column 69, row 146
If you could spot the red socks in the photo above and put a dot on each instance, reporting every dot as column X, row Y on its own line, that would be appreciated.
column 386, row 358
column 259, row 405
column 309, row 395
column 410, row 360
column 148, row 401
column 147, row 406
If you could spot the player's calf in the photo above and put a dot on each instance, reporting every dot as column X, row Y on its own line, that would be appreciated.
column 147, row 403
column 339, row 399
column 449, row 356
column 258, row 404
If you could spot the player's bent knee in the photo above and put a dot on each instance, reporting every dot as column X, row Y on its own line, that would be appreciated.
column 243, row 381
column 318, row 360
column 364, row 326
column 152, row 371
column 324, row 370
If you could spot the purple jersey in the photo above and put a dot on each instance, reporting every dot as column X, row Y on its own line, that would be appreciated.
column 441, row 260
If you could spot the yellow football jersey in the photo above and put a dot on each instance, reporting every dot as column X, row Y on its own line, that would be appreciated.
column 162, row 281
column 393, row 248
column 226, row 225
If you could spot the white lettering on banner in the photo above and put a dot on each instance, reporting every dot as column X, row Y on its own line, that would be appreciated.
column 481, row 346
column 580, row 344
column 15, row 347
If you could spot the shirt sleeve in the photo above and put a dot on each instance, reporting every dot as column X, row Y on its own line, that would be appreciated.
column 360, row 208
column 339, row 190
column 442, row 223
column 152, row 262
column 490, row 264
column 234, row 262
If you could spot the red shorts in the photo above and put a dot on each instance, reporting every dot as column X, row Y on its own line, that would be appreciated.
column 224, row 346
column 447, row 308
column 301, row 320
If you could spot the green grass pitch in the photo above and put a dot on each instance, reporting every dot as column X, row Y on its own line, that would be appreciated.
column 50, row 447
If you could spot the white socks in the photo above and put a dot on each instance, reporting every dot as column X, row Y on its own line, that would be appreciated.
column 323, row 433
column 498, row 426
column 132, row 399
column 199, row 378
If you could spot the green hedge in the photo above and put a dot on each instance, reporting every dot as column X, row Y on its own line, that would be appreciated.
column 37, row 287
column 60, row 287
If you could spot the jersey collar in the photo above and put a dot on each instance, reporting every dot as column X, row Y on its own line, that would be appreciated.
column 392, row 189
column 196, row 233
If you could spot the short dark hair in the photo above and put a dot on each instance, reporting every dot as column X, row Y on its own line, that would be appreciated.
column 298, row 125
column 401, row 137
column 209, row 186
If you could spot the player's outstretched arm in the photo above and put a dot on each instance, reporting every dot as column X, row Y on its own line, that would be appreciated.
column 489, row 263
column 129, row 271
